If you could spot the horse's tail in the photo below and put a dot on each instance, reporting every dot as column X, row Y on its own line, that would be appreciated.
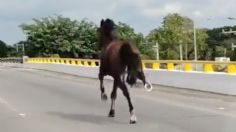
column 128, row 57
column 132, row 60
column 126, row 52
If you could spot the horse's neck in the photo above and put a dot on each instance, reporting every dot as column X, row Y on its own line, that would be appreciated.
column 106, row 41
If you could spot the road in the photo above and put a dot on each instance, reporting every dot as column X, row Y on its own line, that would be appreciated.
column 43, row 101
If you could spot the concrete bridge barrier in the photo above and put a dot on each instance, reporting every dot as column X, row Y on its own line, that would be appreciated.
column 181, row 74
column 11, row 60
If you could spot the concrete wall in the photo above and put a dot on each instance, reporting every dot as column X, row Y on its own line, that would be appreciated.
column 212, row 82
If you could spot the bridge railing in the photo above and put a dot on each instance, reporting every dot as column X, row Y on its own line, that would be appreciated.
column 68, row 61
column 11, row 60
column 169, row 65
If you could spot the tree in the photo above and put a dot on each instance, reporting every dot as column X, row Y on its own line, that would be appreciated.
column 17, row 49
column 218, row 42
column 3, row 49
column 153, row 38
column 60, row 35
column 177, row 30
column 11, row 51
column 125, row 31
column 202, row 48
column 170, row 35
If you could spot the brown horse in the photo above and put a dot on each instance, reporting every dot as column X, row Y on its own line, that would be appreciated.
column 117, row 55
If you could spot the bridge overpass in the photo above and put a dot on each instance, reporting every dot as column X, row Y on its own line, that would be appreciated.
column 38, row 100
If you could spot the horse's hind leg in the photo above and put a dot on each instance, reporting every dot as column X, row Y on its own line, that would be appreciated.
column 113, row 98
column 103, row 94
column 142, row 77
column 125, row 91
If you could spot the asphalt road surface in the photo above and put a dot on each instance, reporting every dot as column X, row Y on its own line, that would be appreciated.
column 43, row 101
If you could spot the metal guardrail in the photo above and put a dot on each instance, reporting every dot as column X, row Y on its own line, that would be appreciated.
column 170, row 65
column 11, row 60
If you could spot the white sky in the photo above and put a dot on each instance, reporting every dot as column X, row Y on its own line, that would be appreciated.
column 143, row 15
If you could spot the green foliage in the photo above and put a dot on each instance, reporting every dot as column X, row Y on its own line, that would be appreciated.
column 7, row 50
column 3, row 49
column 176, row 30
column 11, row 51
column 202, row 36
column 124, row 31
column 218, row 42
column 60, row 35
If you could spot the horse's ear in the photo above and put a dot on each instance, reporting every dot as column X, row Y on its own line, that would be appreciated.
column 102, row 21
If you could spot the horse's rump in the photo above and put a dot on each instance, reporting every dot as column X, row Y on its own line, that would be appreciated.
column 111, row 58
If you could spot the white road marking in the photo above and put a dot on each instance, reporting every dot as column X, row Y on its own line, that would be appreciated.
column 15, row 68
column 3, row 101
column 22, row 115
column 10, row 107
column 221, row 108
column 21, row 69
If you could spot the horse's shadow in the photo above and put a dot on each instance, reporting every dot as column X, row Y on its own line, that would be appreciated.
column 89, row 118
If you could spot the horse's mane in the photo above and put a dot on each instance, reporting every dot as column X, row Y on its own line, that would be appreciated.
column 106, row 28
column 105, row 31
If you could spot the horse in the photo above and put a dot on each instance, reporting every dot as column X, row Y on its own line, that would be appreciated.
column 118, row 56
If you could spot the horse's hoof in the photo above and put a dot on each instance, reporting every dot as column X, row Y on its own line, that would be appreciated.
column 104, row 97
column 148, row 87
column 133, row 122
column 111, row 113
column 133, row 118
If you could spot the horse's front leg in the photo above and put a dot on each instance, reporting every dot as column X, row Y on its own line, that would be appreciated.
column 113, row 98
column 103, row 94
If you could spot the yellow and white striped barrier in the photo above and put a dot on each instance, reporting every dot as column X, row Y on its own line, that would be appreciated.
column 67, row 61
column 169, row 65
column 188, row 67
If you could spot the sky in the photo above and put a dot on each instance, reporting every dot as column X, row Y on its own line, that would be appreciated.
column 142, row 15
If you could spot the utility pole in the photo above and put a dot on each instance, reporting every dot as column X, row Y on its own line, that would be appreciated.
column 156, row 47
column 181, row 52
column 233, row 46
column 17, row 48
column 23, row 49
column 230, row 32
column 225, row 52
column 195, row 42
column 186, row 51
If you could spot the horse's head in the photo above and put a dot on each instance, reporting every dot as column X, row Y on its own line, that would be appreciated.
column 107, row 26
column 105, row 32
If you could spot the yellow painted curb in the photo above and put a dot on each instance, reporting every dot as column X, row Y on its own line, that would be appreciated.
column 208, row 68
column 188, row 67
column 155, row 66
column 231, row 69
column 170, row 66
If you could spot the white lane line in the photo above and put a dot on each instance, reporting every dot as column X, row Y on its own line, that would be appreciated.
column 13, row 109
column 22, row 115
column 3, row 101
column 23, row 69
column 14, row 68
column 221, row 108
